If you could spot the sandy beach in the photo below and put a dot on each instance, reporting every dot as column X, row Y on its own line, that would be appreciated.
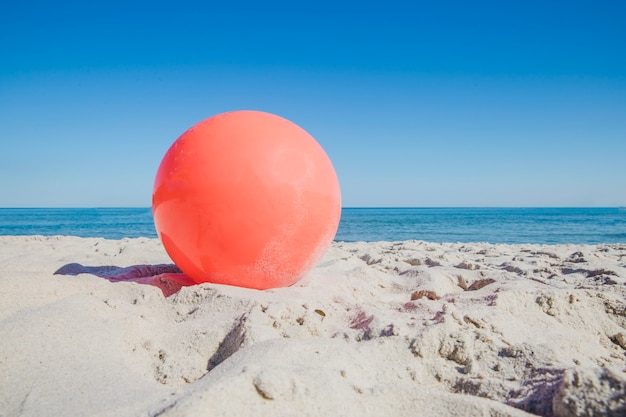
column 94, row 327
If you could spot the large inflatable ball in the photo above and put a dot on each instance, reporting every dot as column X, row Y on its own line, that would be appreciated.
column 246, row 198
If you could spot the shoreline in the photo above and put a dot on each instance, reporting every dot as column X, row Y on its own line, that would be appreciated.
column 376, row 328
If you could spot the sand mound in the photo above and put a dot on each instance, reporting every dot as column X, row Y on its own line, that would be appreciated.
column 94, row 327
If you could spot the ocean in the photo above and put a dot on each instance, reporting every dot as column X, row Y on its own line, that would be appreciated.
column 493, row 225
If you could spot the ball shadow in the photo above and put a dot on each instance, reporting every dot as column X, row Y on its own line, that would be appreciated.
column 167, row 277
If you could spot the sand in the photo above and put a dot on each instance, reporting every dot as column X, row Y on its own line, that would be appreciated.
column 94, row 327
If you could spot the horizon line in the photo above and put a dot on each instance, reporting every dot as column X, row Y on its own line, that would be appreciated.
column 343, row 207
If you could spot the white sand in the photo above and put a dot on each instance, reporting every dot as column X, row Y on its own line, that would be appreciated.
column 396, row 329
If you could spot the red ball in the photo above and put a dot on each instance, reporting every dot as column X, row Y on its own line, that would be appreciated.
column 246, row 198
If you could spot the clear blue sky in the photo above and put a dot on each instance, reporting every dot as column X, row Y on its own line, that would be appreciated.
column 442, row 103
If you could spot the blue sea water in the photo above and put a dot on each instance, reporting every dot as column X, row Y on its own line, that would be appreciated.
column 110, row 223
column 493, row 225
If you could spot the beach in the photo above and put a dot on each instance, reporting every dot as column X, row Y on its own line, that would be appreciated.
column 97, row 327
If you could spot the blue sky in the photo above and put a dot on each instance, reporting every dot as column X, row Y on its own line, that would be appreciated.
column 482, row 103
